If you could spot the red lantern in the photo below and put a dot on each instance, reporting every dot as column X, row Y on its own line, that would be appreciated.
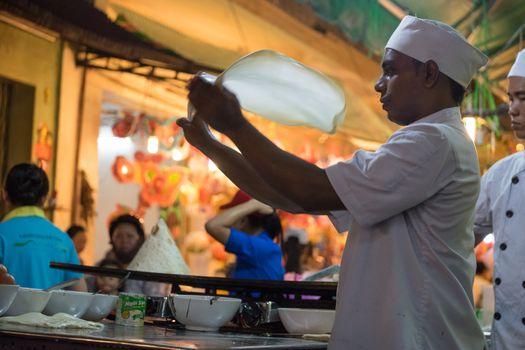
column 123, row 170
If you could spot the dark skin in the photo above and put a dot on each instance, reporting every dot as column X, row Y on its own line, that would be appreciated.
column 281, row 179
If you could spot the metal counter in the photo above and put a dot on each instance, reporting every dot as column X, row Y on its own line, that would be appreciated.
column 148, row 337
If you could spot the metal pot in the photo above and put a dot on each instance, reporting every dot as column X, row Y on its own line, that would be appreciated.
column 158, row 307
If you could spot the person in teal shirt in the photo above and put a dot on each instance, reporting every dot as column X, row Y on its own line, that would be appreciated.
column 28, row 240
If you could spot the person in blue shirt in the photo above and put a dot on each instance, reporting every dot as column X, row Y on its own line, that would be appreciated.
column 28, row 240
column 248, row 229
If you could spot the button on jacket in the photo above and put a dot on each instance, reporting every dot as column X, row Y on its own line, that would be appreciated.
column 408, row 265
column 501, row 209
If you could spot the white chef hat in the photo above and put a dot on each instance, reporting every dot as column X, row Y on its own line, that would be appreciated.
column 425, row 39
column 518, row 68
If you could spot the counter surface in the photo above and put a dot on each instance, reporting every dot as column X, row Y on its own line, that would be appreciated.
column 119, row 337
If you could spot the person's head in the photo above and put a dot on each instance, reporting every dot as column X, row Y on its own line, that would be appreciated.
column 516, row 93
column 293, row 251
column 295, row 244
column 256, row 222
column 78, row 235
column 480, row 268
column 409, row 88
column 126, row 235
column 26, row 184
column 107, row 284
column 426, row 67
column 270, row 223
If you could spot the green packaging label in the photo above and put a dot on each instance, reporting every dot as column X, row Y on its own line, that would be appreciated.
column 131, row 309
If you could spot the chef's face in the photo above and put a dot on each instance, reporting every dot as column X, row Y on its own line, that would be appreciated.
column 516, row 93
column 399, row 86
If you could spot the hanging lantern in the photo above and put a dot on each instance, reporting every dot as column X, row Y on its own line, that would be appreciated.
column 122, row 169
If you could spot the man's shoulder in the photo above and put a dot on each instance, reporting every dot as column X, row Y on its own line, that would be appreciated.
column 420, row 138
column 31, row 223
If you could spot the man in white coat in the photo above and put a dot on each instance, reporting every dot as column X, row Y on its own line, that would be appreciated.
column 408, row 265
column 501, row 209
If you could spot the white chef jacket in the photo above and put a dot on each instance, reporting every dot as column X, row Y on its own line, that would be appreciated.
column 501, row 209
column 408, row 265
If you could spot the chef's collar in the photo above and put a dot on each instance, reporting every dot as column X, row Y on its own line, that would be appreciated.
column 447, row 114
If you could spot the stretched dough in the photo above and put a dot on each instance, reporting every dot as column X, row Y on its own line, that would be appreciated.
column 281, row 89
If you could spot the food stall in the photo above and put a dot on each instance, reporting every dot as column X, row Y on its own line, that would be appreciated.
column 249, row 329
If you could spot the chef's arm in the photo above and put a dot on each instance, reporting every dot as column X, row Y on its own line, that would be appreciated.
column 302, row 182
column 291, row 177
column 234, row 166
column 219, row 226
column 483, row 212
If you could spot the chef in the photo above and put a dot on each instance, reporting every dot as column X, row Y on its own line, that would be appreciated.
column 408, row 265
column 500, row 209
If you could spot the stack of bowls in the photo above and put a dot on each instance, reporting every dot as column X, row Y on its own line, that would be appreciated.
column 100, row 307
column 307, row 321
column 28, row 300
column 69, row 302
column 7, row 295
column 15, row 301
column 203, row 312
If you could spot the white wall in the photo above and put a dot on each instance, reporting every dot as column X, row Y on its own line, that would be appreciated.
column 111, row 192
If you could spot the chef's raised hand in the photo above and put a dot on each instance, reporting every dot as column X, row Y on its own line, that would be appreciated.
column 196, row 131
column 5, row 277
column 215, row 105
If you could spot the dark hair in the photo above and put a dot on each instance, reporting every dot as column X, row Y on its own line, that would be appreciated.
column 480, row 267
column 126, row 219
column 109, row 261
column 104, row 263
column 26, row 184
column 73, row 230
column 270, row 223
column 457, row 91
column 293, row 251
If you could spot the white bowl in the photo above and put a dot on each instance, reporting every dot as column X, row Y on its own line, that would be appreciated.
column 28, row 300
column 307, row 321
column 203, row 312
column 100, row 307
column 69, row 302
column 7, row 295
